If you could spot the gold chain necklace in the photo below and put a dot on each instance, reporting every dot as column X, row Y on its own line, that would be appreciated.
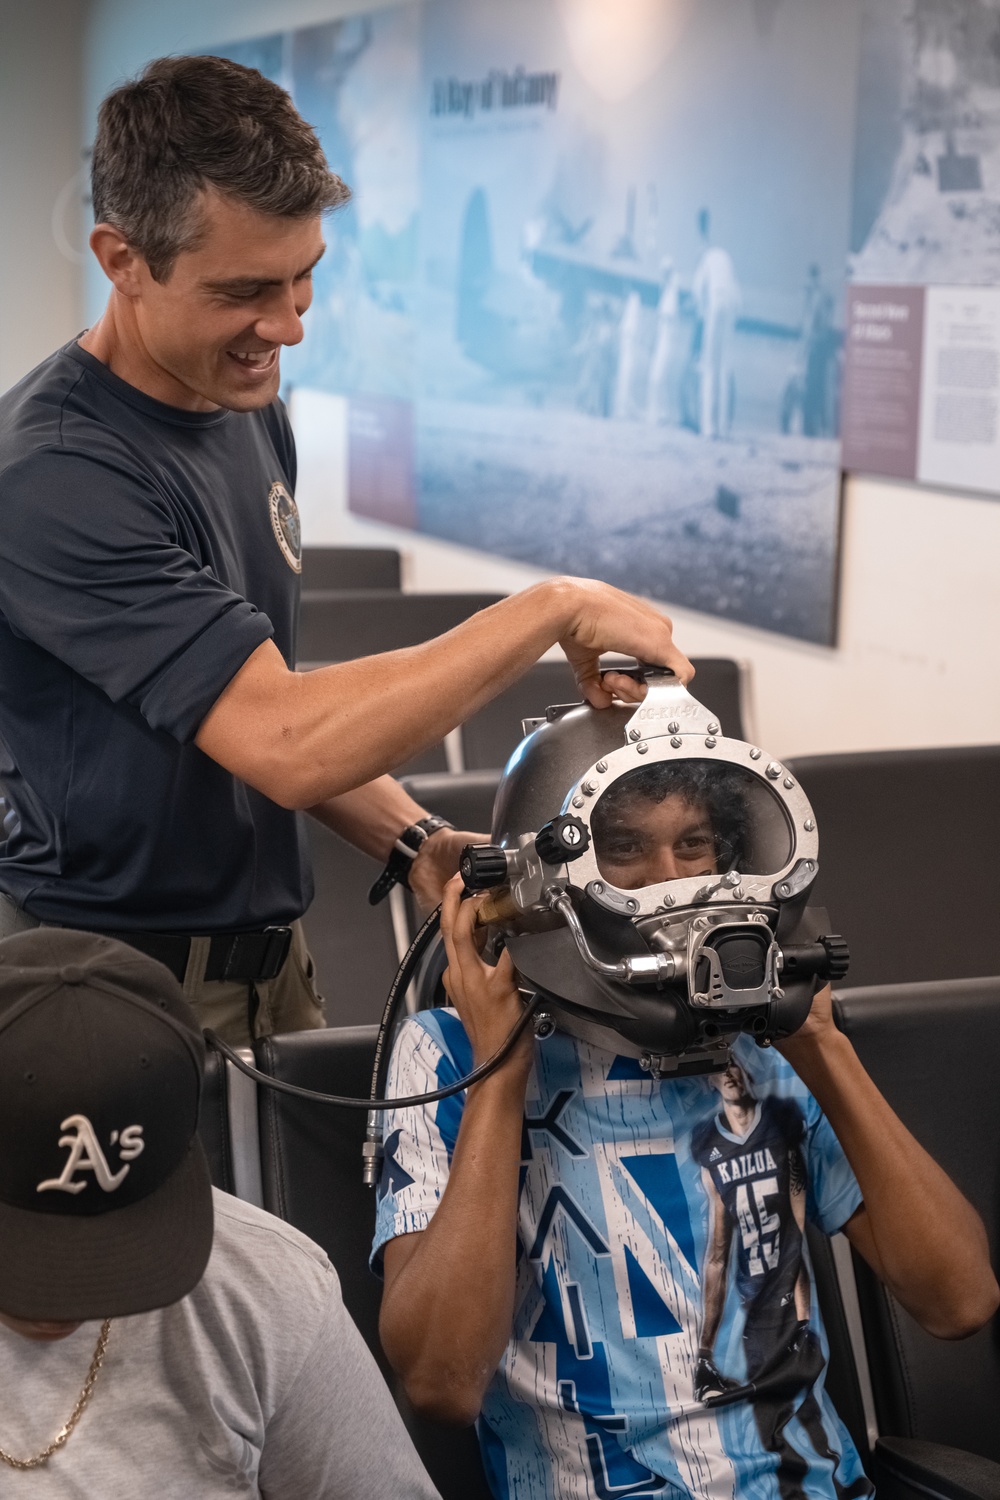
column 78, row 1410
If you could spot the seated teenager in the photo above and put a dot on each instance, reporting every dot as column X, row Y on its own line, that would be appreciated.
column 157, row 1338
column 608, row 1268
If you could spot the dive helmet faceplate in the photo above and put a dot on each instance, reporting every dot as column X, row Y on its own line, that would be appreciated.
column 651, row 876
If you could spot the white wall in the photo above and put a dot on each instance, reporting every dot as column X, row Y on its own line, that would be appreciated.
column 918, row 659
column 40, row 182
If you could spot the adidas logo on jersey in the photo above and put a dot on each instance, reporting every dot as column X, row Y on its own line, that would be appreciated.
column 714, row 1154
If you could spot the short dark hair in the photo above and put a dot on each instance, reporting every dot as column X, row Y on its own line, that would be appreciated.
column 187, row 123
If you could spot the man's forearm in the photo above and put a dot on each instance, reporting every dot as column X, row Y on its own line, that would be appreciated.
column 319, row 734
column 304, row 737
column 447, row 1312
column 371, row 817
column 929, row 1242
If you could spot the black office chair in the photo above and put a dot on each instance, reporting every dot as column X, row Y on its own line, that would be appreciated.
column 907, row 859
column 311, row 1177
column 340, row 626
column 932, row 1050
column 213, row 1122
column 490, row 736
column 352, row 943
column 350, row 568
column 465, row 798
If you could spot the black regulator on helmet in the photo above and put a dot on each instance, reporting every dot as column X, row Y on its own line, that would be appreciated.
column 650, row 879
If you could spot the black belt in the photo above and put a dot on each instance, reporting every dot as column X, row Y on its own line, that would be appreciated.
column 243, row 957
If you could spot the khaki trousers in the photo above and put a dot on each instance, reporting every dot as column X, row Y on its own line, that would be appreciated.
column 239, row 1012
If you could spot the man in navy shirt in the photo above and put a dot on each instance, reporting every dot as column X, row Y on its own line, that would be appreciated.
column 156, row 743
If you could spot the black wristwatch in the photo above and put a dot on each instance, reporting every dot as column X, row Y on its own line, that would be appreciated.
column 404, row 852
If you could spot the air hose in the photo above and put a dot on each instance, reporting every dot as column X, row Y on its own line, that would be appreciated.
column 375, row 1104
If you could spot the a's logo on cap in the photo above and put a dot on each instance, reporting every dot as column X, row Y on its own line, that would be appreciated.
column 85, row 1155
column 286, row 526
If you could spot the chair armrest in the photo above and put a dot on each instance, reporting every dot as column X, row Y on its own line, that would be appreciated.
column 910, row 1469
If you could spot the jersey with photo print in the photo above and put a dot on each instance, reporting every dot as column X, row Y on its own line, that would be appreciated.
column 595, row 1395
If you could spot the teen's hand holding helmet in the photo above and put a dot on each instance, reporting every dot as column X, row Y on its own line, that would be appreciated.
column 436, row 862
column 485, row 997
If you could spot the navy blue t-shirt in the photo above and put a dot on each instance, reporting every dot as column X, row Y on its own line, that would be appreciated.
column 145, row 553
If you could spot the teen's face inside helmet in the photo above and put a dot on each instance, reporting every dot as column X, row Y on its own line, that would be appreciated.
column 686, row 819
column 642, row 841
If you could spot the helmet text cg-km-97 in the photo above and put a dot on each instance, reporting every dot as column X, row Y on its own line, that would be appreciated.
column 650, row 880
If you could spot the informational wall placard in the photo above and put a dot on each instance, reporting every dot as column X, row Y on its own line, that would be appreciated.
column 586, row 305
column 881, row 408
column 922, row 384
column 922, row 365
column 960, row 388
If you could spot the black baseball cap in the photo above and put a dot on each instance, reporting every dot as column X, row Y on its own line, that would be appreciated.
column 105, row 1194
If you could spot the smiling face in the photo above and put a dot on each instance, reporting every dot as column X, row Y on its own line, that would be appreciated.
column 210, row 335
column 650, row 842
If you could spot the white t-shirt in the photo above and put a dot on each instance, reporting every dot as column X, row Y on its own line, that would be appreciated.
column 256, row 1384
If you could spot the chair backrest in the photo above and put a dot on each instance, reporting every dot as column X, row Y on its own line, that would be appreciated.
column 311, row 1155
column 350, row 568
column 907, row 859
column 843, row 1378
column 723, row 686
column 340, row 626
column 352, row 944
column 311, row 1177
column 213, row 1122
column 932, row 1050
column 491, row 735
column 465, row 798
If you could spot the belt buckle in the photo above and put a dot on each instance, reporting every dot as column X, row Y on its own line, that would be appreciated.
column 263, row 952
column 279, row 942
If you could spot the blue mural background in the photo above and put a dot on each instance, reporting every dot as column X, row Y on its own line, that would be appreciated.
column 586, row 302
column 927, row 172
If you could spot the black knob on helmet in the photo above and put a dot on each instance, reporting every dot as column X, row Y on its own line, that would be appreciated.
column 562, row 839
column 483, row 866
column 838, row 957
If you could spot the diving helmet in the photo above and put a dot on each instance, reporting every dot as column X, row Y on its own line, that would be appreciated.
column 650, row 878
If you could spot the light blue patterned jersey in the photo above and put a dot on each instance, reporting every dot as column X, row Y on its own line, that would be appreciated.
column 622, row 1378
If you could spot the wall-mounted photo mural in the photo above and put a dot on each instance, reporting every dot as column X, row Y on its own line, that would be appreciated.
column 922, row 397
column 586, row 306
